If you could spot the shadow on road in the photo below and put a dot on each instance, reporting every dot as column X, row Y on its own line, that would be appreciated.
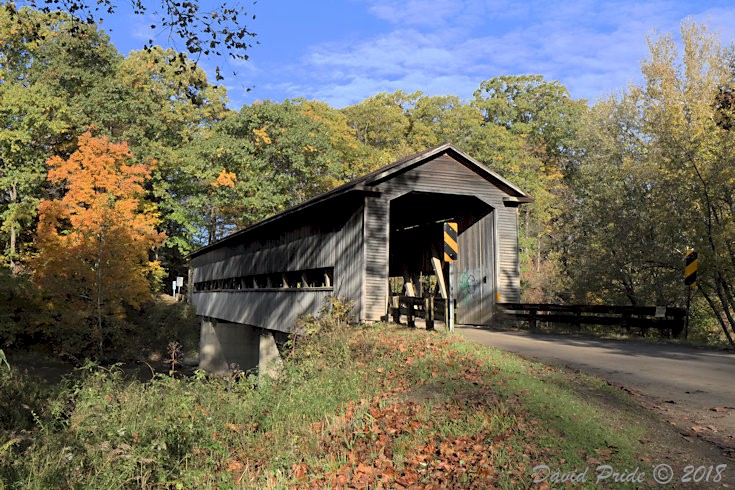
column 625, row 347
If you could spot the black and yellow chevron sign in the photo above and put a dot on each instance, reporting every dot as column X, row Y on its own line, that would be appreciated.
column 450, row 241
column 690, row 268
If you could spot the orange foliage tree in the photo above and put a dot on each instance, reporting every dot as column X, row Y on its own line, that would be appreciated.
column 95, row 241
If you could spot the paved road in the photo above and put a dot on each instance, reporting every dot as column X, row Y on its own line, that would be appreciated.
column 686, row 384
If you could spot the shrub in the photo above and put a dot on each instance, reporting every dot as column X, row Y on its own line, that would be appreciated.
column 23, row 317
column 322, row 338
column 102, row 429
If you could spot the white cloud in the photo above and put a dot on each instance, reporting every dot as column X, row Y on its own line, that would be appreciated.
column 449, row 46
column 415, row 12
column 395, row 53
column 139, row 29
column 720, row 20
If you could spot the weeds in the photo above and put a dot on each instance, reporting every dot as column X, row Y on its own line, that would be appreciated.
column 174, row 356
column 353, row 406
column 322, row 338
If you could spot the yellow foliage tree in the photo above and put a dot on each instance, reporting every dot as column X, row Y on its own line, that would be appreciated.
column 94, row 242
column 692, row 147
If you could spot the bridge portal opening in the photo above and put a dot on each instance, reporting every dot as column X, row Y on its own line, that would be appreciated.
column 416, row 265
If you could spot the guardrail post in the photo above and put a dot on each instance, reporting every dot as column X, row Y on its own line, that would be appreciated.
column 396, row 309
column 429, row 313
column 625, row 321
column 409, row 313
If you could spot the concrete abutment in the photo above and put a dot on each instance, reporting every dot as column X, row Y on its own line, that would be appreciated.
column 225, row 346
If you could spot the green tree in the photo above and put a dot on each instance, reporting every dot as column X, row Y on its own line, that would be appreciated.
column 33, row 120
column 204, row 29
column 545, row 117
column 444, row 119
column 540, row 110
column 657, row 179
column 382, row 123
column 291, row 151
column 162, row 104
column 258, row 162
column 219, row 194
column 693, row 155
column 620, row 246
column 350, row 158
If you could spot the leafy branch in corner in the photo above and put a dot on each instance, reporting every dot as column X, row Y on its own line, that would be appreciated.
column 214, row 31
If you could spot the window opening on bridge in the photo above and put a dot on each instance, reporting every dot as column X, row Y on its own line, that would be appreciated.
column 322, row 278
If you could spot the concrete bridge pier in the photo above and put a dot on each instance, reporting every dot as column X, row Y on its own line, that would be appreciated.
column 225, row 346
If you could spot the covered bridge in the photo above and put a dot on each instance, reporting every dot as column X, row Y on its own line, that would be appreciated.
column 353, row 242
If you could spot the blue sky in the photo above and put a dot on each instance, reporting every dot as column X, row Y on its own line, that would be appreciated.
column 343, row 51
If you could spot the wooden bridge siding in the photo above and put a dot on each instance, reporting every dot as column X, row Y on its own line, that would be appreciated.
column 274, row 310
column 268, row 237
column 326, row 240
column 509, row 270
column 311, row 252
column 377, row 238
column 309, row 241
column 349, row 262
column 445, row 175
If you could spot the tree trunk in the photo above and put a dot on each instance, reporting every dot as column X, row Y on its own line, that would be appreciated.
column 722, row 321
column 12, row 248
column 538, row 254
column 13, row 230
column 727, row 307
column 99, row 302
column 100, row 289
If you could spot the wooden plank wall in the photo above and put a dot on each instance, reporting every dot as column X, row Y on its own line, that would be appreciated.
column 445, row 175
column 509, row 273
column 375, row 284
column 323, row 238
column 274, row 310
column 473, row 274
column 349, row 263
column 313, row 252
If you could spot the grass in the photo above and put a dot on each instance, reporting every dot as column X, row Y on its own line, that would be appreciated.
column 378, row 407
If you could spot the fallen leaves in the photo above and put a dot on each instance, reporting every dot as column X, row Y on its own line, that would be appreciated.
column 700, row 428
column 442, row 417
column 299, row 472
column 399, row 438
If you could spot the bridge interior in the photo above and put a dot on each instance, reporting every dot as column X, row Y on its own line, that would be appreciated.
column 417, row 239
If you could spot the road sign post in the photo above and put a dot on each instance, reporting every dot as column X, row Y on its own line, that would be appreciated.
column 690, row 280
column 690, row 268
column 451, row 252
